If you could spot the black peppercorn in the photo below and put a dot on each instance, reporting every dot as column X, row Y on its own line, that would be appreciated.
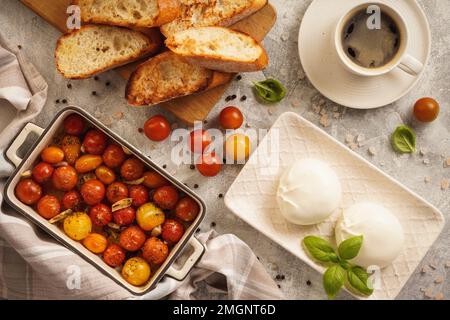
column 243, row 98
column 64, row 100
column 192, row 167
column 308, row 283
column 220, row 195
column 195, row 186
column 57, row 101
column 239, row 77
column 94, row 93
column 69, row 86
column 164, row 166
column 108, row 83
column 96, row 78
column 213, row 224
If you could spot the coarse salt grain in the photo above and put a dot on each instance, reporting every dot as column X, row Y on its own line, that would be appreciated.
column 445, row 184
column 427, row 179
column 324, row 121
column 372, row 151
column 429, row 293
column 349, row 138
column 447, row 163
column 426, row 161
column 439, row 280
column 118, row 115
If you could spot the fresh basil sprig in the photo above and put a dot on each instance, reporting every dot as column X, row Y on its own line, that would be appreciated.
column 340, row 272
column 270, row 90
column 404, row 140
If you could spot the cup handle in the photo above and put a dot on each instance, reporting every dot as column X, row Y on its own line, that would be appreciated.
column 11, row 153
column 411, row 65
column 180, row 274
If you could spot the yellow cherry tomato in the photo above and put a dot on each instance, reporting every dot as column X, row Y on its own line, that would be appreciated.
column 77, row 226
column 237, row 147
column 136, row 271
column 95, row 243
column 149, row 216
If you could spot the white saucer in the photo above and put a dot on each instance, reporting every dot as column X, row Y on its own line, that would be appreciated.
column 329, row 76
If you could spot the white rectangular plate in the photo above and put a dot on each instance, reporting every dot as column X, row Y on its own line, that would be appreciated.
column 252, row 197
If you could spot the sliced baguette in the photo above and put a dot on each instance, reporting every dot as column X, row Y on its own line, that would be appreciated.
column 203, row 13
column 129, row 13
column 95, row 48
column 168, row 76
column 219, row 48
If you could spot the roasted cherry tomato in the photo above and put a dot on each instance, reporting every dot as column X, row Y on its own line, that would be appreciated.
column 187, row 209
column 28, row 191
column 136, row 271
column 92, row 191
column 71, row 146
column 132, row 169
column 48, row 206
column 71, row 200
column 114, row 255
column 100, row 215
column 116, row 191
column 74, row 124
column 231, row 118
column 65, row 178
column 199, row 140
column 77, row 226
column 105, row 175
column 114, row 156
column 42, row 172
column 52, row 155
column 132, row 238
column 155, row 251
column 166, row 197
column 88, row 162
column 157, row 128
column 154, row 180
column 139, row 194
column 125, row 216
column 95, row 142
column 210, row 165
column 95, row 243
column 172, row 231
column 149, row 216
column 426, row 110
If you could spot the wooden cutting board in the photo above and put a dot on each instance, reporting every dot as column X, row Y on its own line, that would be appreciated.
column 188, row 109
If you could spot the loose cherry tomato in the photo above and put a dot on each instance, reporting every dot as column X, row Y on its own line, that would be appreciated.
column 48, row 206
column 132, row 238
column 114, row 156
column 74, row 124
column 65, row 178
column 116, row 191
column 157, row 128
column 88, row 162
column 125, row 216
column 52, row 155
column 71, row 146
column 28, row 191
column 187, row 209
column 154, row 180
column 132, row 169
column 139, row 194
column 231, row 118
column 166, row 197
column 426, row 110
column 95, row 243
column 92, row 191
column 71, row 200
column 172, row 231
column 42, row 172
column 95, row 142
column 155, row 251
column 100, row 215
column 199, row 140
column 114, row 255
column 238, row 147
column 149, row 216
column 136, row 271
column 77, row 226
column 210, row 165
column 105, row 175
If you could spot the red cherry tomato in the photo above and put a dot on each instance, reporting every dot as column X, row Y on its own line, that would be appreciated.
column 199, row 140
column 172, row 231
column 157, row 128
column 210, row 165
column 155, row 251
column 71, row 200
column 231, row 118
column 132, row 238
column 48, row 206
column 28, row 191
column 100, row 215
column 139, row 194
column 95, row 142
column 65, row 178
column 187, row 209
column 124, row 217
column 114, row 255
column 92, row 191
column 132, row 169
column 166, row 197
column 154, row 180
column 74, row 124
column 114, row 156
column 116, row 191
column 426, row 110
column 42, row 172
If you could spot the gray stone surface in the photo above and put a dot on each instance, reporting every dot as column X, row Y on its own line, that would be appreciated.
column 37, row 38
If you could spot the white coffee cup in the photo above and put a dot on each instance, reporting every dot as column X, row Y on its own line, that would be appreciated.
column 402, row 59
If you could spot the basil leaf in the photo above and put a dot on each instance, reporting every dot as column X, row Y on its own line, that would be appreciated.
column 404, row 140
column 349, row 248
column 359, row 280
column 320, row 249
column 333, row 280
column 270, row 90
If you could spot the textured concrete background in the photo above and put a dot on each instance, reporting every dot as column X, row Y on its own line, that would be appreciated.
column 37, row 38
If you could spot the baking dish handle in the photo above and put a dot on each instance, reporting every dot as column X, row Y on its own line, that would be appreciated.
column 180, row 274
column 11, row 153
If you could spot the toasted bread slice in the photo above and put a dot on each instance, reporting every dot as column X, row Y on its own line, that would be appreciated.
column 220, row 49
column 95, row 48
column 203, row 13
column 168, row 76
column 129, row 13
